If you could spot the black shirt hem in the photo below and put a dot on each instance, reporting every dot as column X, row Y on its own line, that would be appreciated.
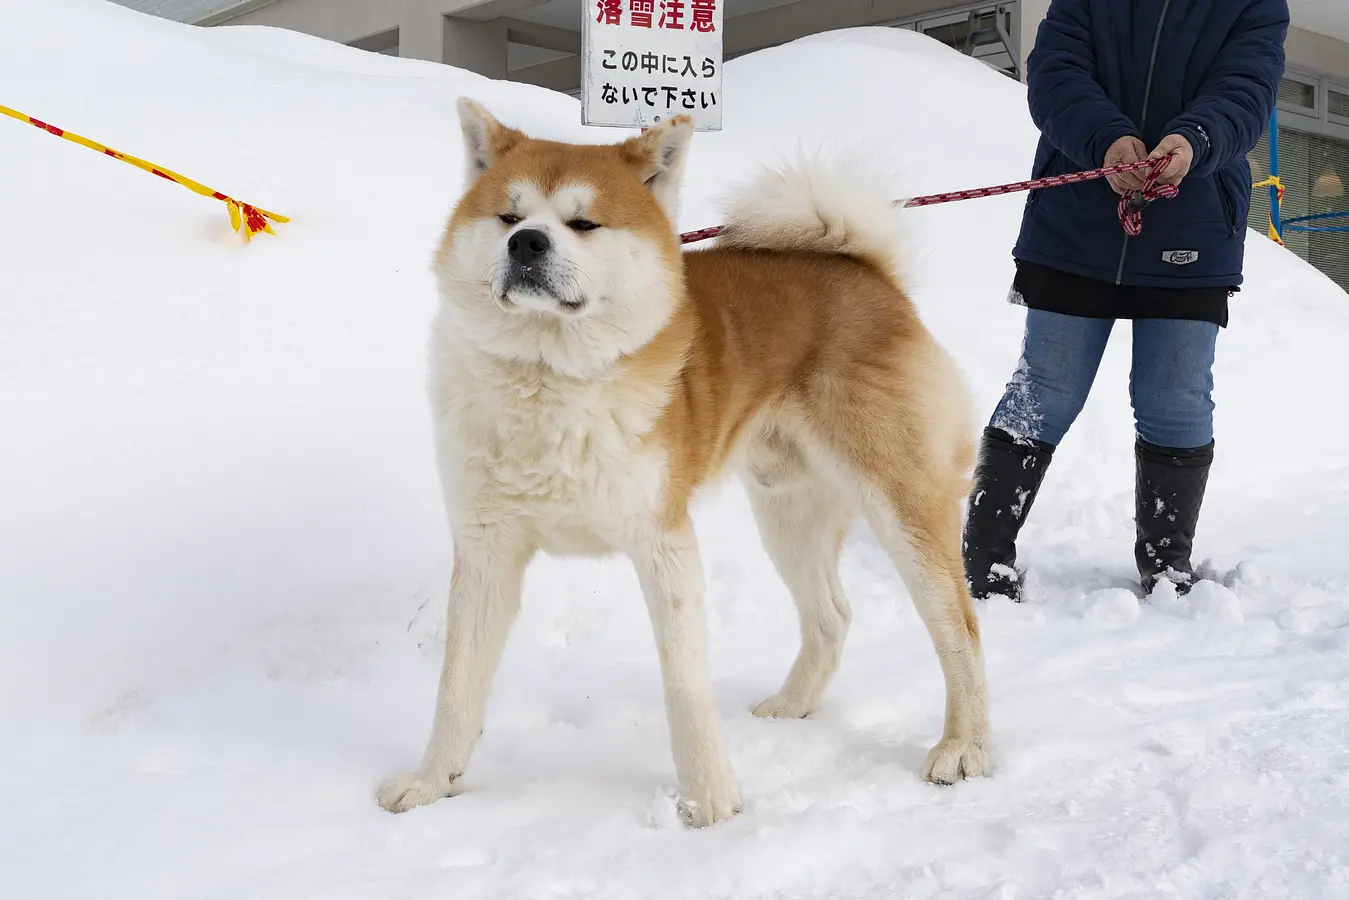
column 1052, row 290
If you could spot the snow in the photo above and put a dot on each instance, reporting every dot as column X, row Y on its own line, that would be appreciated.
column 223, row 557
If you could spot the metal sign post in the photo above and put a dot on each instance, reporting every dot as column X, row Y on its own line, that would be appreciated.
column 647, row 60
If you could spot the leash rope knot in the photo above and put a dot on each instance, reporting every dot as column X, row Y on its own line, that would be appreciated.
column 1131, row 205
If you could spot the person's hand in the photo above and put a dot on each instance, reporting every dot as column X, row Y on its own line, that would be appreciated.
column 1127, row 149
column 1182, row 157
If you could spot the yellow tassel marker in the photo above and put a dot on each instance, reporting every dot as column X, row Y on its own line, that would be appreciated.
column 246, row 219
column 1273, row 181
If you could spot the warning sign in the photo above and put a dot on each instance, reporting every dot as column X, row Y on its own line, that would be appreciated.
column 647, row 60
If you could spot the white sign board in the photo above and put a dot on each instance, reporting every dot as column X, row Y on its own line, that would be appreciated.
column 647, row 60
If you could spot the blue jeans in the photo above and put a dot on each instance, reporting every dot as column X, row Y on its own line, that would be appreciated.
column 1170, row 384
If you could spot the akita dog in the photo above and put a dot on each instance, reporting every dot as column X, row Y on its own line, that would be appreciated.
column 587, row 377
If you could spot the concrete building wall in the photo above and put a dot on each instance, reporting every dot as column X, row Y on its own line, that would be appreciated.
column 1307, row 51
column 1317, row 53
column 476, row 34
column 766, row 28
column 458, row 31
column 1030, row 13
column 467, row 33
column 333, row 20
column 780, row 24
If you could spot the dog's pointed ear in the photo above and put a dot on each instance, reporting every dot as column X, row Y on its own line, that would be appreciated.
column 658, row 156
column 485, row 139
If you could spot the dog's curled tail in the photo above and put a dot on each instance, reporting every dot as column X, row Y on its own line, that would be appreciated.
column 808, row 206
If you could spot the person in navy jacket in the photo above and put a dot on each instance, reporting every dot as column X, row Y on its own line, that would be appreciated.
column 1112, row 82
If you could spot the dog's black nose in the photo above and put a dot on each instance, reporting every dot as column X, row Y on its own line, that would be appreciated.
column 527, row 245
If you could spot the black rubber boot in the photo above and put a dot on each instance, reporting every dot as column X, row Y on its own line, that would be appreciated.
column 1168, row 491
column 1006, row 481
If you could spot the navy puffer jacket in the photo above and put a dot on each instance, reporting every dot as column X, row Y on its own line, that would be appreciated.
column 1104, row 69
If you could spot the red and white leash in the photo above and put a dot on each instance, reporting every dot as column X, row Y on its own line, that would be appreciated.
column 1131, row 205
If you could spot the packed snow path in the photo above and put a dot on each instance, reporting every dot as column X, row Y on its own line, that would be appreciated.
column 223, row 559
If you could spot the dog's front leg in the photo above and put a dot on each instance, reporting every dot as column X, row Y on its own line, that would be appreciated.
column 671, row 576
column 484, row 601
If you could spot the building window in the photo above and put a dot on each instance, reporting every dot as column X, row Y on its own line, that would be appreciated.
column 1297, row 94
column 984, row 31
column 1337, row 104
column 1314, row 169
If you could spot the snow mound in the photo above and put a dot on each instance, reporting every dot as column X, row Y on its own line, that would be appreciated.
column 223, row 558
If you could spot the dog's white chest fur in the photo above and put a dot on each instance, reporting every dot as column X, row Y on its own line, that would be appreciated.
column 521, row 446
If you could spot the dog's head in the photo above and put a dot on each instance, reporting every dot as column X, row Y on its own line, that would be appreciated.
column 564, row 254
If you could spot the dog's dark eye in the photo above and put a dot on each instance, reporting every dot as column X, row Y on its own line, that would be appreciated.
column 582, row 225
column 510, row 219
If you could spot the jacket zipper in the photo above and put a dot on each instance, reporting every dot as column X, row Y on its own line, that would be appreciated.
column 1143, row 121
column 1228, row 203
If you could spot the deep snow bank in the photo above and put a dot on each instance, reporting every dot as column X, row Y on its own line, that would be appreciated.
column 221, row 543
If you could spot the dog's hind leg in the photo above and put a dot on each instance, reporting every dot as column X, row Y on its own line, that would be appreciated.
column 802, row 521
column 484, row 600
column 670, row 573
column 919, row 528
column 901, row 441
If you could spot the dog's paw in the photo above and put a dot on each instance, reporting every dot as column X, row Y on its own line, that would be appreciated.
column 784, row 706
column 956, row 758
column 710, row 803
column 410, row 789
